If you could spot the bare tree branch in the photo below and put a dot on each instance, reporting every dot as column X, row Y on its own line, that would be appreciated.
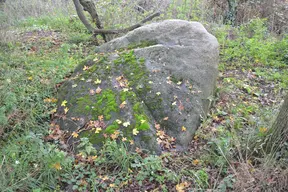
column 125, row 30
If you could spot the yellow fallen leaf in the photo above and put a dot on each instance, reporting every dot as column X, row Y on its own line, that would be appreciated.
column 66, row 110
column 30, row 78
column 98, row 81
column 135, row 132
column 263, row 129
column 181, row 187
column 112, row 185
column 143, row 121
column 183, row 128
column 57, row 166
column 179, row 82
column 125, row 89
column 98, row 130
column 64, row 103
column 158, row 93
column 124, row 139
column 53, row 111
column 75, row 85
column 126, row 124
column 131, row 142
column 165, row 118
column 85, row 68
column 75, row 135
column 174, row 103
column 196, row 162
column 54, row 100
column 118, row 121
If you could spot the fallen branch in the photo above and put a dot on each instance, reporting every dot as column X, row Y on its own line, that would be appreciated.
column 125, row 30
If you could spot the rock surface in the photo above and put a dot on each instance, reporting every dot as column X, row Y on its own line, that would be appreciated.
column 150, row 87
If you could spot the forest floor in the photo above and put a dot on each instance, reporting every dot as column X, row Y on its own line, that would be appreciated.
column 226, row 153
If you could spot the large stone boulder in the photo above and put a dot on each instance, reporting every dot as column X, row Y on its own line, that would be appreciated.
column 149, row 87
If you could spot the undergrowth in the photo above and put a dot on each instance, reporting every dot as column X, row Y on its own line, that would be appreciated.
column 226, row 150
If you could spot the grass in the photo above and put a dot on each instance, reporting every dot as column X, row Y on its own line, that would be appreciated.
column 226, row 150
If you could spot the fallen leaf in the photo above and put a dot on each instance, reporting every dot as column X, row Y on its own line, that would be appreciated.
column 98, row 90
column 143, row 121
column 181, row 187
column 131, row 142
column 30, row 78
column 165, row 118
column 124, row 139
column 183, row 128
column 64, row 103
column 98, row 81
column 157, row 126
column 100, row 117
column 125, row 89
column 158, row 93
column 66, row 110
column 135, row 132
column 138, row 150
column 122, row 105
column 118, row 121
column 174, row 103
column 98, row 130
column 196, row 162
column 57, row 166
column 75, row 85
column 126, row 124
column 85, row 68
column 179, row 82
column 91, row 92
column 75, row 135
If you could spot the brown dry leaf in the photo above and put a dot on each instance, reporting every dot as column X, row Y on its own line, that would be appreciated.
column 180, row 107
column 138, row 150
column 98, row 90
column 165, row 118
column 122, row 105
column 182, row 186
column 91, row 92
column 157, row 126
column 100, row 118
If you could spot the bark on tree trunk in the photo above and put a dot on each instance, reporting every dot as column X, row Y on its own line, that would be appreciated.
column 279, row 130
column 81, row 15
column 89, row 6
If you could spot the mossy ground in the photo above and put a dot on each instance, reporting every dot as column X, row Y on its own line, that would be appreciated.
column 252, row 83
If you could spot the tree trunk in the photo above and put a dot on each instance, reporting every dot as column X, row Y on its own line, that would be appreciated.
column 279, row 130
column 89, row 6
column 230, row 17
column 81, row 15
